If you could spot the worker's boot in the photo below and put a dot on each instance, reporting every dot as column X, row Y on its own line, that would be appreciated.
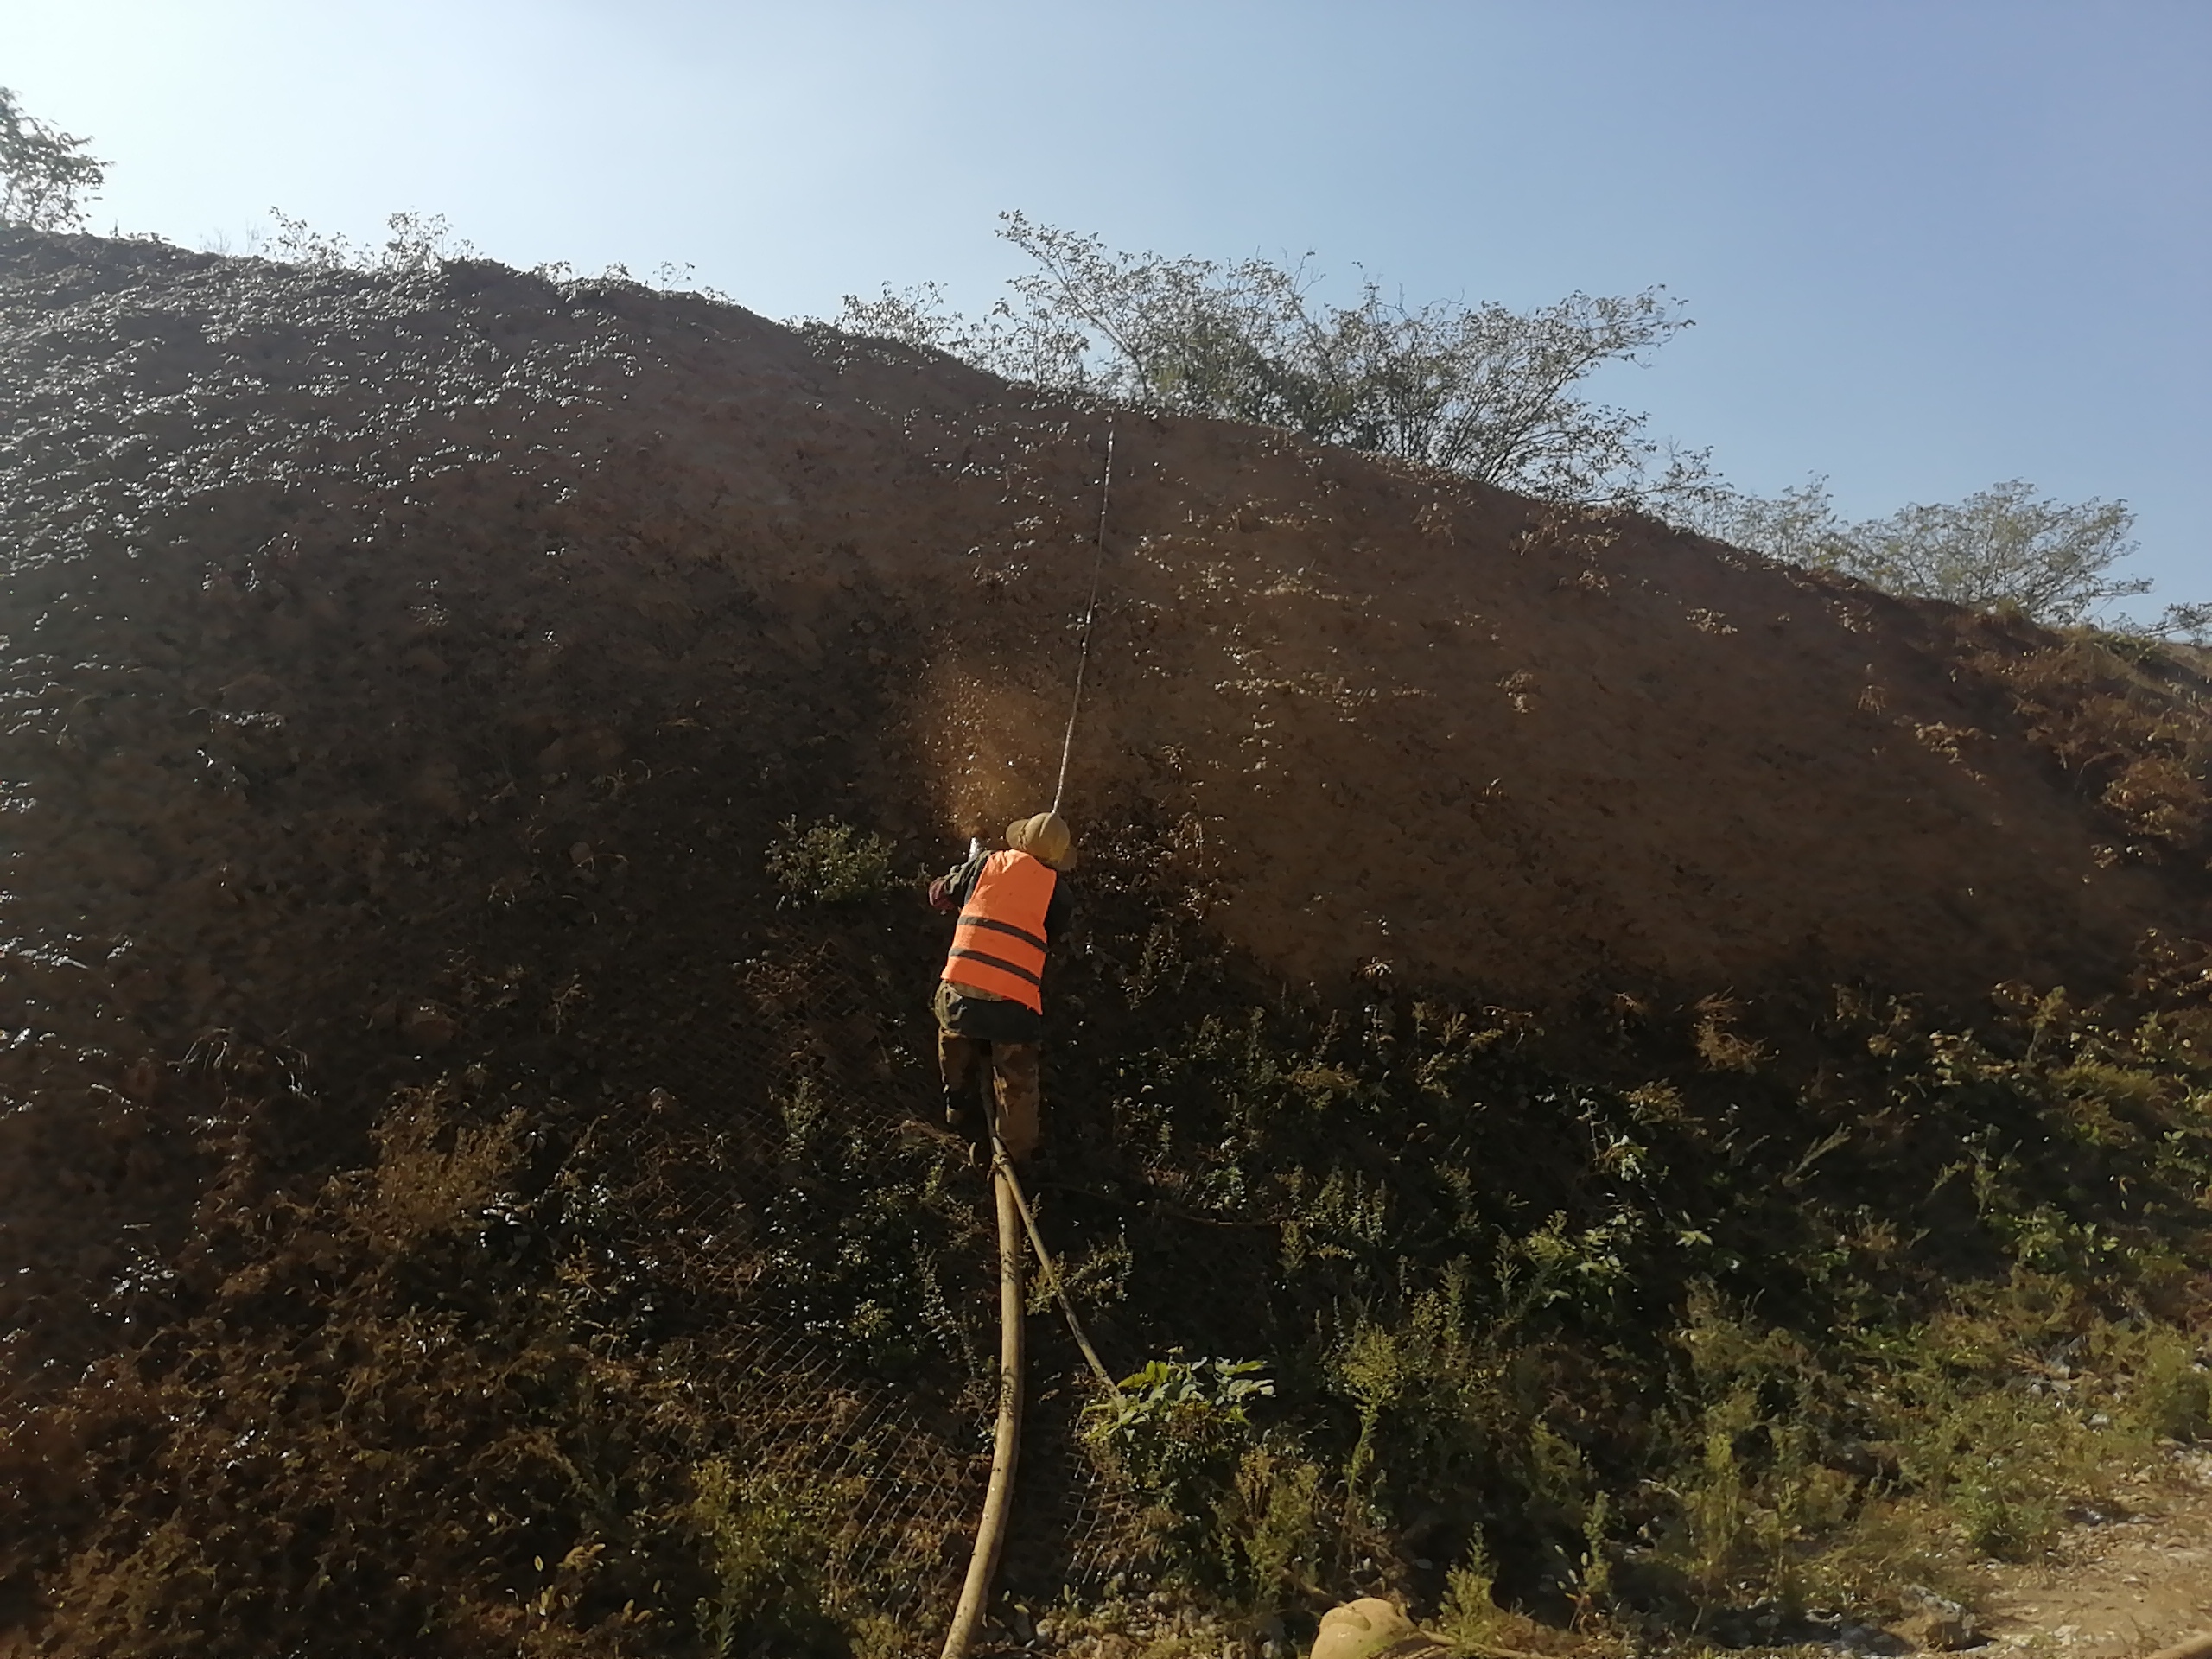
column 967, row 1115
column 964, row 1116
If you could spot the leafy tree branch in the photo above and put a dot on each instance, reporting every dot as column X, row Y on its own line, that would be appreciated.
column 46, row 177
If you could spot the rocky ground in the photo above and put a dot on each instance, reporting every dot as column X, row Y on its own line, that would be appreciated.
column 2121, row 1585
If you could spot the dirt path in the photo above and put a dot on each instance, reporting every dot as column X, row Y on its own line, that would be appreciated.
column 2127, row 1586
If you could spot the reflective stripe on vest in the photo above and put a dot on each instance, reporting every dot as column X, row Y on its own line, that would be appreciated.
column 1000, row 943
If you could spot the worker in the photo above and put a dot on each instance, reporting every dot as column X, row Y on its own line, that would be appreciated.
column 990, row 1003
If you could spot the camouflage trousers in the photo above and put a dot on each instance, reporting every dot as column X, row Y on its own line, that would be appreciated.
column 962, row 1062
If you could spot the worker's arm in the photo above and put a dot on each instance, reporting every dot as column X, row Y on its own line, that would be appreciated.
column 951, row 890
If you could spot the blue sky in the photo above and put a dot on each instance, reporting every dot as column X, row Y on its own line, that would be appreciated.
column 1928, row 245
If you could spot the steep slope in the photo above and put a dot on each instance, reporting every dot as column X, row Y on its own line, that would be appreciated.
column 405, row 674
column 1417, row 721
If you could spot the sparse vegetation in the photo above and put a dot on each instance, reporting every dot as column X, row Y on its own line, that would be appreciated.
column 417, row 242
column 2128, row 720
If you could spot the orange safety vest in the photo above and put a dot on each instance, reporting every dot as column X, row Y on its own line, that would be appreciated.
column 1000, row 943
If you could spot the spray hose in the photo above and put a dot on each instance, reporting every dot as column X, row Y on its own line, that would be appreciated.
column 1090, row 615
column 1015, row 1218
column 1051, row 1268
column 999, row 1158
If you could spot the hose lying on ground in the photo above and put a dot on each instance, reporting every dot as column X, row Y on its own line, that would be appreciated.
column 1005, row 1446
column 1014, row 1219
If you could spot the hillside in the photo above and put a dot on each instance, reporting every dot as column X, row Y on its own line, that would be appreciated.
column 432, row 1139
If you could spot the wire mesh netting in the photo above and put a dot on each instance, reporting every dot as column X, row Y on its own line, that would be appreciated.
column 703, row 1180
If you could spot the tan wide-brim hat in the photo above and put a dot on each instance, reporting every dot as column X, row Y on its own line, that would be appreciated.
column 1373, row 1629
column 1046, row 838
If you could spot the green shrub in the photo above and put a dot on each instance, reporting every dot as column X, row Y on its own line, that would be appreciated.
column 831, row 863
column 763, row 1549
column 1270, row 1533
column 1181, row 1432
column 1179, row 1426
column 1468, row 1617
column 2171, row 1393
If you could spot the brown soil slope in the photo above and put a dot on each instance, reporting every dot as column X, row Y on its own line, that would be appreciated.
column 403, row 673
column 451, row 545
